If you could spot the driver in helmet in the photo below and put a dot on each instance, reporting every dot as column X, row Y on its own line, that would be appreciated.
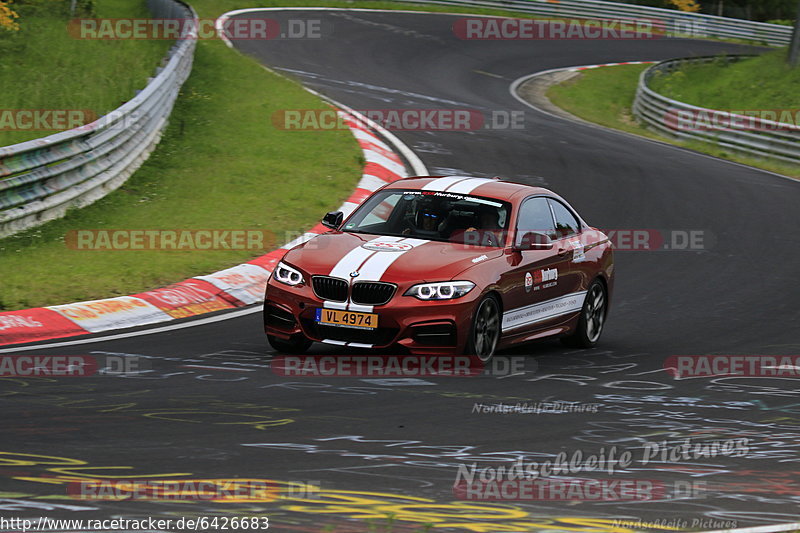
column 426, row 222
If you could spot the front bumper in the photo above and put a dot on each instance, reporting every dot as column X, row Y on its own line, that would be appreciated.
column 419, row 327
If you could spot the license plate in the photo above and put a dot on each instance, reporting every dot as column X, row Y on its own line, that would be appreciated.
column 347, row 319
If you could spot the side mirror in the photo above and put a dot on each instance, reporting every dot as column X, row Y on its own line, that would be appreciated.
column 333, row 219
column 533, row 240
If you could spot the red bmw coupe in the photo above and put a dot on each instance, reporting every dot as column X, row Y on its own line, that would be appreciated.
column 444, row 265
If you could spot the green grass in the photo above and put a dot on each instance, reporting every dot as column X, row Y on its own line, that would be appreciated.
column 43, row 67
column 221, row 164
column 602, row 95
column 605, row 96
column 763, row 82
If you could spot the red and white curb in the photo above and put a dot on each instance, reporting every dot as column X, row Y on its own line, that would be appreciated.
column 233, row 287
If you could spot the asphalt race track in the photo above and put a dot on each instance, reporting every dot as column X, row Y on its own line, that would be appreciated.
column 346, row 451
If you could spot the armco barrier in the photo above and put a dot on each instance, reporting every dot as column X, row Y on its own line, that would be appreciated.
column 42, row 178
column 672, row 21
column 233, row 287
column 744, row 134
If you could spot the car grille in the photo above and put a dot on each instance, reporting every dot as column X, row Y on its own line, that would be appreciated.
column 328, row 288
column 363, row 292
column 372, row 292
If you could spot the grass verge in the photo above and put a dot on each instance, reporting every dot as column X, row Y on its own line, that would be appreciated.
column 43, row 67
column 762, row 82
column 605, row 96
column 221, row 164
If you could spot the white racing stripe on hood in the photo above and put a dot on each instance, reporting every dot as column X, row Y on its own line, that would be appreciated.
column 377, row 265
column 356, row 257
column 467, row 186
column 441, row 184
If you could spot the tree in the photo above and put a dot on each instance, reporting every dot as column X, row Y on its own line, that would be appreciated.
column 689, row 6
column 7, row 16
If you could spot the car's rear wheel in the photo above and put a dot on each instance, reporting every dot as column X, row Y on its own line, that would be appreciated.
column 295, row 345
column 592, row 319
column 485, row 330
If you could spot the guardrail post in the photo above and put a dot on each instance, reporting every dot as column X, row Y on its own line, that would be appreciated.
column 794, row 47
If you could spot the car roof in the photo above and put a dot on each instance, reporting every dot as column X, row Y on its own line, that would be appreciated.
column 488, row 187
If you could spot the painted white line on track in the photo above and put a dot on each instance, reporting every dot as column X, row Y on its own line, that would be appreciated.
column 227, row 369
column 161, row 329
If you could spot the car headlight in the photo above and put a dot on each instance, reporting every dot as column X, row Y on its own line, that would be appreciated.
column 287, row 275
column 445, row 290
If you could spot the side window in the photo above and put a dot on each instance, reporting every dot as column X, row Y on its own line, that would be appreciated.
column 534, row 215
column 566, row 223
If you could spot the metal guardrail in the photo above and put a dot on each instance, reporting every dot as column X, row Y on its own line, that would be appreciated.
column 751, row 135
column 42, row 178
column 676, row 23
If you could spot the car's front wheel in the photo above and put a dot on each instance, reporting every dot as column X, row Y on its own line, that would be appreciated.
column 592, row 319
column 485, row 330
column 295, row 345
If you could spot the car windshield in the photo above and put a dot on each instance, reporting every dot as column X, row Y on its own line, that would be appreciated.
column 432, row 215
